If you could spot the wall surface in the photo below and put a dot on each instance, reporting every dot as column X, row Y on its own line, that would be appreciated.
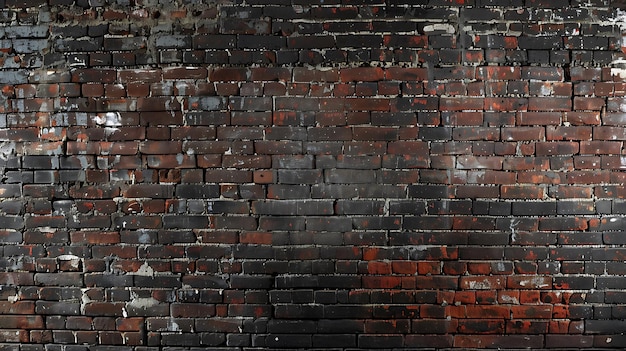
column 333, row 174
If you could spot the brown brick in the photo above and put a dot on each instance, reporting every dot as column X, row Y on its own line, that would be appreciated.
column 461, row 103
column 506, row 104
column 600, row 147
column 406, row 74
column 89, row 237
column 588, row 103
column 314, row 75
column 185, row 73
column 171, row 161
column 543, row 73
column 362, row 74
column 549, row 104
column 568, row 133
column 538, row 118
column 609, row 133
column 582, row 118
column 521, row 192
column 499, row 73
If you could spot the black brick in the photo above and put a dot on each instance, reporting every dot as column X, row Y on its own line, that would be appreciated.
column 534, row 208
column 190, row 191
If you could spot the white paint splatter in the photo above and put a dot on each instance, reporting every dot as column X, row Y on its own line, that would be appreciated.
column 513, row 229
column 509, row 299
column 476, row 285
column 173, row 326
column 145, row 270
column 84, row 300
column 109, row 119
column 546, row 90
column 141, row 302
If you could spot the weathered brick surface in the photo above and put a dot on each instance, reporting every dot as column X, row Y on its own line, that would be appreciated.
column 340, row 175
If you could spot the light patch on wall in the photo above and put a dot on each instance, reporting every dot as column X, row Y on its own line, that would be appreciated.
column 145, row 270
column 7, row 148
column 109, row 119
column 620, row 21
column 440, row 27
column 141, row 302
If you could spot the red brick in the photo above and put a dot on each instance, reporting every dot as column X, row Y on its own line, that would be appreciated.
column 568, row 133
column 362, row 74
column 538, row 118
column 600, row 147
column 406, row 74
column 315, row 75
column 389, row 282
column 96, row 237
column 506, row 104
column 609, row 133
column 499, row 73
column 543, row 73
column 171, row 161
column 461, row 103
column 464, row 119
column 185, row 73
column 140, row 75
column 588, row 103
column 192, row 310
column 521, row 192
column 529, row 282
column 136, row 89
column 481, row 326
column 404, row 267
column 523, row 133
column 471, row 162
column 270, row 74
column 582, row 118
column 556, row 148
column 226, row 89
column 475, row 133
column 160, row 147
column 488, row 311
column 229, row 74
column 587, row 177
column 549, row 104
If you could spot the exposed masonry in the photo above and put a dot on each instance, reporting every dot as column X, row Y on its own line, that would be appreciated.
column 288, row 174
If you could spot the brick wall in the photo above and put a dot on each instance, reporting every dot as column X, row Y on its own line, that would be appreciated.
column 298, row 174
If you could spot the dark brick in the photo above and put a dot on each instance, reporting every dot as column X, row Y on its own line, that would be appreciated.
column 431, row 191
column 540, row 43
column 192, row 222
column 569, row 341
column 534, row 208
column 191, row 191
column 380, row 341
column 261, row 42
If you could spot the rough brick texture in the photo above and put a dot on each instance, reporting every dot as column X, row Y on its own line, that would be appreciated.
column 337, row 174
